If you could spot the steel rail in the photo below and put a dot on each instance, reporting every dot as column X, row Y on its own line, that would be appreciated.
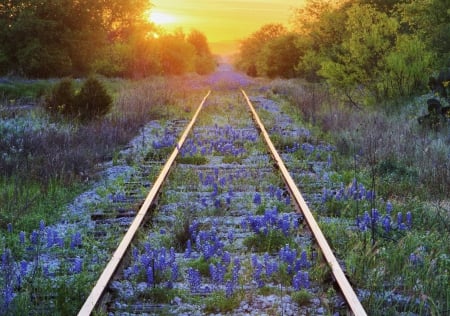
column 102, row 283
column 346, row 288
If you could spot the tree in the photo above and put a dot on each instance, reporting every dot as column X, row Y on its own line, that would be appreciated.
column 204, row 60
column 253, row 45
column 177, row 56
column 430, row 21
column 279, row 57
column 371, row 35
column 406, row 67
column 46, row 38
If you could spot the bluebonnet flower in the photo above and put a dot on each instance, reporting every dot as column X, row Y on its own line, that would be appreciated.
column 135, row 253
column 400, row 224
column 389, row 208
column 399, row 218
column 329, row 161
column 194, row 279
column 76, row 240
column 257, row 271
column 9, row 227
column 386, row 224
column 188, row 251
column 77, row 265
column 271, row 266
column 226, row 258
column 301, row 281
column 257, row 199
column 288, row 255
column 229, row 289
column 303, row 262
column 236, row 269
column 174, row 274
column 375, row 216
column 41, row 225
column 288, row 200
column 285, row 225
column 34, row 237
column 23, row 268
column 230, row 236
column 22, row 237
column 409, row 219
column 279, row 194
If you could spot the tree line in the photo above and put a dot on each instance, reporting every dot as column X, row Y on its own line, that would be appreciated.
column 48, row 38
column 389, row 47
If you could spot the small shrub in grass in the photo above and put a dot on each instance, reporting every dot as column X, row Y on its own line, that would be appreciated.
column 302, row 297
column 160, row 295
column 233, row 159
column 271, row 243
column 218, row 302
column 193, row 160
column 93, row 101
column 267, row 290
column 202, row 265
column 61, row 100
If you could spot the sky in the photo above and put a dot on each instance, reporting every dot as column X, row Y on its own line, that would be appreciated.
column 222, row 20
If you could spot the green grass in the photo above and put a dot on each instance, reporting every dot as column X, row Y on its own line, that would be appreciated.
column 15, row 90
column 26, row 203
column 217, row 302
column 270, row 243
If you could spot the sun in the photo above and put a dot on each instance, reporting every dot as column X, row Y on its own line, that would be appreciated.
column 161, row 18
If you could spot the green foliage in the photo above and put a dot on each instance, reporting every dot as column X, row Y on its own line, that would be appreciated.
column 193, row 160
column 372, row 36
column 251, row 47
column 218, row 302
column 92, row 102
column 160, row 295
column 61, row 100
column 270, row 243
column 177, row 56
column 302, row 297
column 406, row 65
column 56, row 38
column 279, row 57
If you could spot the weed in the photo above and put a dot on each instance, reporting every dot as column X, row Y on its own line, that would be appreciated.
column 218, row 302
column 302, row 297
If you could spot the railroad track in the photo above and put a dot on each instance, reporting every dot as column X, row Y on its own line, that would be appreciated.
column 228, row 230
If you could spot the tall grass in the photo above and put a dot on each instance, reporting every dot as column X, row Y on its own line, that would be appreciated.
column 41, row 156
column 407, row 158
column 385, row 148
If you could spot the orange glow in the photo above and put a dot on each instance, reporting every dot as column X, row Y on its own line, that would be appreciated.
column 222, row 21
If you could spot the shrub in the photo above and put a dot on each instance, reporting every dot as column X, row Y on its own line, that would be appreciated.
column 93, row 101
column 62, row 98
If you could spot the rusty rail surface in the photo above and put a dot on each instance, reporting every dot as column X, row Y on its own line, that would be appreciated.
column 102, row 283
column 346, row 288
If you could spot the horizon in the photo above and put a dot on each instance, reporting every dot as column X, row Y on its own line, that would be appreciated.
column 224, row 23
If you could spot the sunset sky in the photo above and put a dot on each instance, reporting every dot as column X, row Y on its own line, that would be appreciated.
column 222, row 20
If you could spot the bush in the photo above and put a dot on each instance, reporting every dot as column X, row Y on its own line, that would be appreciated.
column 92, row 102
column 61, row 99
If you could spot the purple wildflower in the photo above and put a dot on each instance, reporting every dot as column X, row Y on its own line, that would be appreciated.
column 257, row 199
column 194, row 279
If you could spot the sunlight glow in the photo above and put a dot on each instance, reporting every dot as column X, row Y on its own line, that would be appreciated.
column 162, row 18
